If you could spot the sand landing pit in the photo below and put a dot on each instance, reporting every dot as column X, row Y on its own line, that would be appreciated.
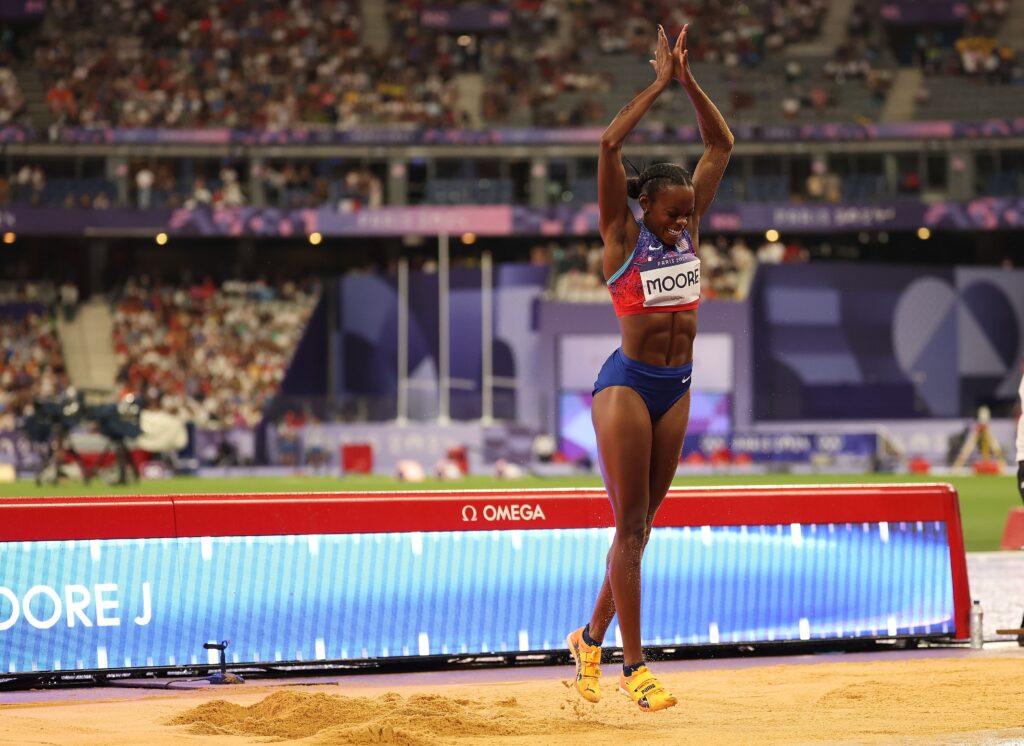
column 416, row 720
column 920, row 698
column 970, row 700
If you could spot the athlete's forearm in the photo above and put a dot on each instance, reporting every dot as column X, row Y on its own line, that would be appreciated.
column 714, row 132
column 631, row 114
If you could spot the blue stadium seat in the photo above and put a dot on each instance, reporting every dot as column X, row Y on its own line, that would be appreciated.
column 1001, row 184
column 768, row 189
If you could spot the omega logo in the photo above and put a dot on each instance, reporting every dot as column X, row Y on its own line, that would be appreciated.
column 490, row 513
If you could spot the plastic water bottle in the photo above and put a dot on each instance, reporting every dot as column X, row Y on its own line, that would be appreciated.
column 977, row 628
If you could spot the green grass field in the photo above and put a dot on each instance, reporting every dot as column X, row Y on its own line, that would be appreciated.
column 984, row 500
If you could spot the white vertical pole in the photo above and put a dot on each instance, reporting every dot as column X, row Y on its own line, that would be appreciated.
column 487, row 338
column 403, row 341
column 443, row 334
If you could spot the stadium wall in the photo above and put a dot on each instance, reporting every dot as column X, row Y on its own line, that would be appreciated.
column 814, row 342
column 367, row 343
column 841, row 341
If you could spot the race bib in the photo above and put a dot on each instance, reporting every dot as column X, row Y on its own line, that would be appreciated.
column 671, row 281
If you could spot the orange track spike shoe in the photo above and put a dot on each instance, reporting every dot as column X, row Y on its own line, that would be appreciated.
column 648, row 693
column 588, row 665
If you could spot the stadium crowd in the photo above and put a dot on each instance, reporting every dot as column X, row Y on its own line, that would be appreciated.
column 263, row 65
column 266, row 66
column 976, row 52
column 159, row 185
column 734, row 32
column 31, row 361
column 213, row 355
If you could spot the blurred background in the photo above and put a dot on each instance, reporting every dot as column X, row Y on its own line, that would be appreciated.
column 336, row 237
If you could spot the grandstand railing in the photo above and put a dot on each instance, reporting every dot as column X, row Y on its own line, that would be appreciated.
column 988, row 213
column 933, row 130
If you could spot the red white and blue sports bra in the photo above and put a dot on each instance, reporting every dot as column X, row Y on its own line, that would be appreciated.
column 656, row 278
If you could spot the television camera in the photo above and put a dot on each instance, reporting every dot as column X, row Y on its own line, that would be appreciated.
column 52, row 420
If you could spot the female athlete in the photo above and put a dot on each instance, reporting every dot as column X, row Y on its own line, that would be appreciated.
column 641, row 398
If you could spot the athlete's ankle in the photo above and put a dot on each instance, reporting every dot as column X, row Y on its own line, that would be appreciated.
column 628, row 669
column 588, row 638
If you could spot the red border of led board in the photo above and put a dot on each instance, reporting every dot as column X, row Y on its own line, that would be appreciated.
column 169, row 516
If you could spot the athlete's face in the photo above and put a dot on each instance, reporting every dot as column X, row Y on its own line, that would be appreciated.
column 669, row 212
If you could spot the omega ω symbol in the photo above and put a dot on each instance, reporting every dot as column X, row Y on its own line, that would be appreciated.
column 468, row 513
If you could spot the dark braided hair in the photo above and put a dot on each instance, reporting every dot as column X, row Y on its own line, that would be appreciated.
column 656, row 177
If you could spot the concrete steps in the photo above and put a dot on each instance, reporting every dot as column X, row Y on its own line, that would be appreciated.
column 376, row 34
column 1012, row 31
column 34, row 88
column 833, row 32
column 470, row 87
column 88, row 346
column 899, row 103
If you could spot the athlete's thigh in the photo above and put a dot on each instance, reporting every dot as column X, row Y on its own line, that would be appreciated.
column 666, row 446
column 624, row 434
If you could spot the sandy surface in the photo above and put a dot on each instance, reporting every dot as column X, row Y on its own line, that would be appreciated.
column 976, row 699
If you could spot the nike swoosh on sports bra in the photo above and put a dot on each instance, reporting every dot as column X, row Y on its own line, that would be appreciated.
column 656, row 278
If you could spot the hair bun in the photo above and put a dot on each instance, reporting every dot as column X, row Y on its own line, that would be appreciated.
column 633, row 187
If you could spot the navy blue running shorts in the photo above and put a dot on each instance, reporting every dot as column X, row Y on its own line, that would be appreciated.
column 659, row 387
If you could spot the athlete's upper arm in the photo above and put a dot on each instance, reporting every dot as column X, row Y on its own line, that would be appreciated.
column 612, row 200
column 706, row 178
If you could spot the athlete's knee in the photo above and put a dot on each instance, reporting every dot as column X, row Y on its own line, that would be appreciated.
column 631, row 535
column 647, row 531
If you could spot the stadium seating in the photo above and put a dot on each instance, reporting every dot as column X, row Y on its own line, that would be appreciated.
column 469, row 191
column 31, row 363
column 962, row 98
column 215, row 355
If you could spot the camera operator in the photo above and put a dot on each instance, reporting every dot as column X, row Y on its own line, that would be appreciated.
column 50, row 421
column 119, row 422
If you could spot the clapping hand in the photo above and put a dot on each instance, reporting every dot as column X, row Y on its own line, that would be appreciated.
column 681, row 61
column 663, row 62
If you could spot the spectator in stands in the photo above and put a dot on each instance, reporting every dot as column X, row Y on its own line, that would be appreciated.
column 12, row 100
column 790, row 107
column 201, row 195
column 727, row 269
column 144, row 179
column 360, row 188
column 744, row 262
column 288, row 438
column 69, row 300
column 29, row 185
column 231, row 190
column 771, row 252
column 314, row 444
column 62, row 102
